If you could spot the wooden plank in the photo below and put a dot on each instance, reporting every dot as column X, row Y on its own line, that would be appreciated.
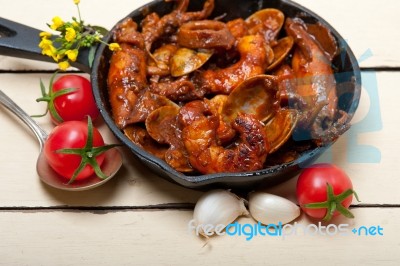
column 139, row 218
column 363, row 24
column 163, row 238
column 375, row 181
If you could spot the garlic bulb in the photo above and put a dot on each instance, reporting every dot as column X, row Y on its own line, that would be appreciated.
column 215, row 210
column 271, row 209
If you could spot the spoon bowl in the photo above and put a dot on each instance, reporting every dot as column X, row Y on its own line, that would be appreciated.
column 112, row 162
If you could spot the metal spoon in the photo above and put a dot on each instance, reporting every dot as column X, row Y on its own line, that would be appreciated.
column 110, row 166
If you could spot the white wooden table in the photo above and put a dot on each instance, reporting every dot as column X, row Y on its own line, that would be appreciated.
column 139, row 218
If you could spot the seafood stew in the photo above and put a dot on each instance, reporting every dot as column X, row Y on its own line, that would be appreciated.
column 235, row 139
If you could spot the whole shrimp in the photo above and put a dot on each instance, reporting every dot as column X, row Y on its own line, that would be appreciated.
column 199, row 129
column 254, row 59
column 316, row 86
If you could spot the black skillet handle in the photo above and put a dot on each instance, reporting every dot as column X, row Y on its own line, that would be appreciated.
column 18, row 40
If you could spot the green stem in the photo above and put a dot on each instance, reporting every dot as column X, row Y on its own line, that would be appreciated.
column 79, row 14
column 50, row 97
column 88, row 154
column 333, row 203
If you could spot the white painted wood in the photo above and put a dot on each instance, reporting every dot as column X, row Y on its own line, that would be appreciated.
column 365, row 25
column 160, row 237
column 163, row 238
column 376, row 182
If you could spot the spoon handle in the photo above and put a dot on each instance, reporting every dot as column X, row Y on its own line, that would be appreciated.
column 15, row 109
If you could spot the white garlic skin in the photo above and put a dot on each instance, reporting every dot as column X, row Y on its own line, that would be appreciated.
column 272, row 209
column 217, row 207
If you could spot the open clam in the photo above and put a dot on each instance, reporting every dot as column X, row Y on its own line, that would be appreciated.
column 160, row 123
column 148, row 102
column 280, row 50
column 267, row 22
column 159, row 61
column 280, row 127
column 141, row 138
column 256, row 96
column 186, row 60
column 162, row 126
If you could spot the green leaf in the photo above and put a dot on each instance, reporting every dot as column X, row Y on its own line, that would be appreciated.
column 345, row 212
column 99, row 150
column 330, row 211
column 54, row 113
column 52, row 81
column 63, row 92
column 76, row 151
column 92, row 52
column 101, row 30
column 42, row 115
column 317, row 205
column 77, row 171
column 97, row 169
column 89, row 141
column 42, row 88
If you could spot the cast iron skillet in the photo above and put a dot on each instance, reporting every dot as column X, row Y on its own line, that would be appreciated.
column 21, row 41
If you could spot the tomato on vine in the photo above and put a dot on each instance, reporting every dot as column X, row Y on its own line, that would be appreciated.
column 75, row 150
column 324, row 190
column 69, row 98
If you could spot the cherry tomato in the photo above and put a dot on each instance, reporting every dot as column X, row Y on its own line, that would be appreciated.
column 71, row 134
column 313, row 186
column 76, row 105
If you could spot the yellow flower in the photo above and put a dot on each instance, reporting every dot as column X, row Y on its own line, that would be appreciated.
column 45, row 43
column 72, row 54
column 70, row 34
column 50, row 51
column 57, row 22
column 76, row 2
column 44, row 34
column 48, row 48
column 114, row 46
column 63, row 65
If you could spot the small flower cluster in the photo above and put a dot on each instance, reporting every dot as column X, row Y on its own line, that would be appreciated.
column 72, row 36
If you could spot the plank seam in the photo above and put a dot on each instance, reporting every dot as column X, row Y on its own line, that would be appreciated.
column 159, row 207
